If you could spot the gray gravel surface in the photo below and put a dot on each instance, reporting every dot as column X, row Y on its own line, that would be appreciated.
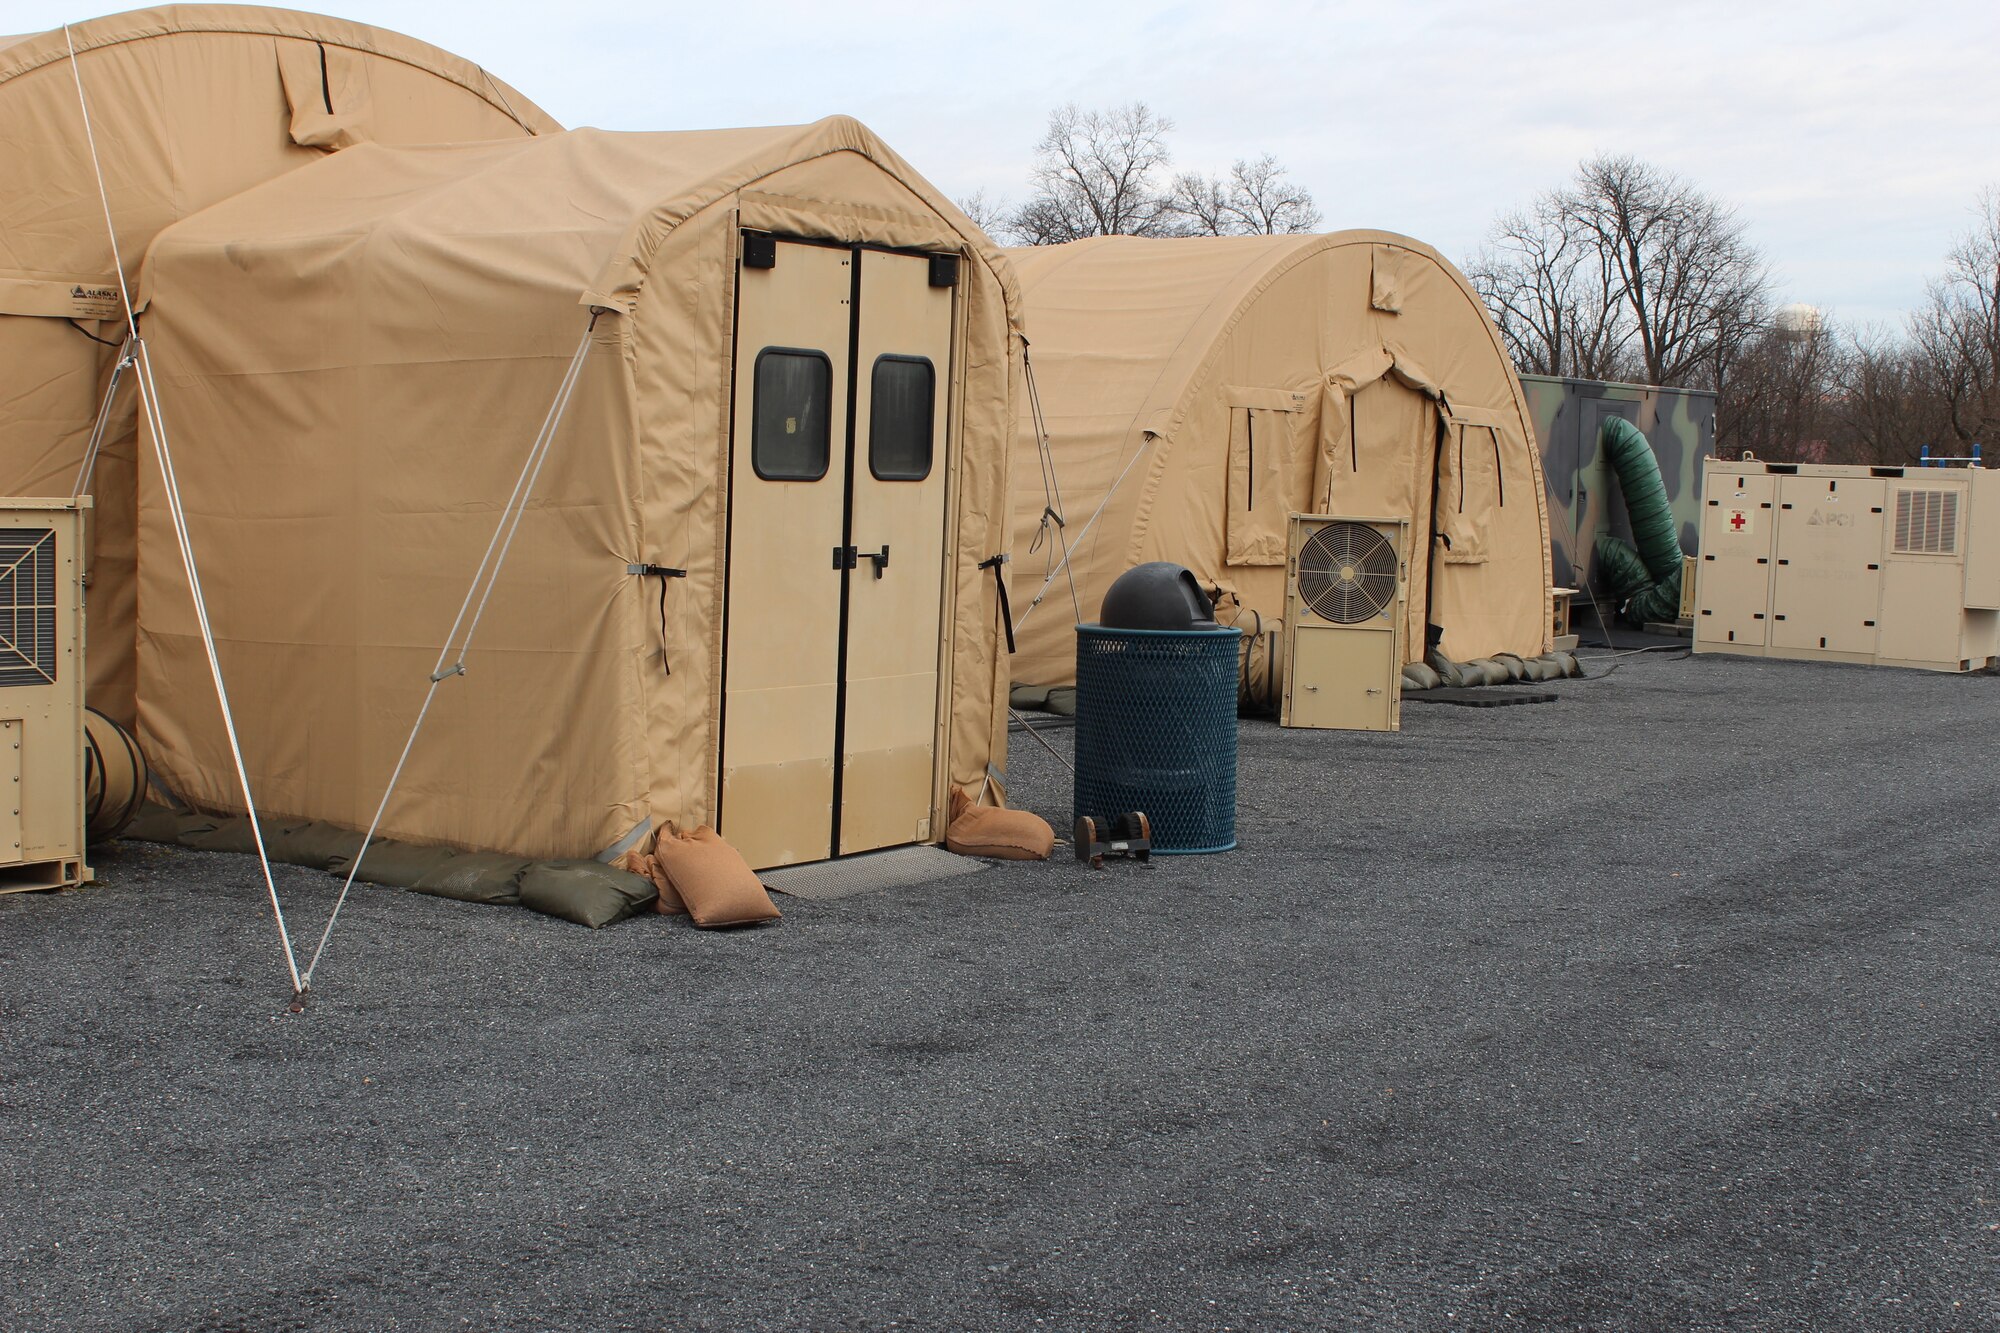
column 1669, row 1005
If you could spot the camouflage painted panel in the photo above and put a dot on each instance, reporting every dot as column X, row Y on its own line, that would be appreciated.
column 1584, row 499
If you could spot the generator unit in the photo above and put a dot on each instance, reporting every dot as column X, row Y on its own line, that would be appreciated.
column 41, row 694
column 1346, row 586
column 1889, row 565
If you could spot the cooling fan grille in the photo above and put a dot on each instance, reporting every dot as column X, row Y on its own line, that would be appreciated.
column 1347, row 573
column 27, row 606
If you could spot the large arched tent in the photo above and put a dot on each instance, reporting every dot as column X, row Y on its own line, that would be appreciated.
column 189, row 104
column 1201, row 390
column 801, row 348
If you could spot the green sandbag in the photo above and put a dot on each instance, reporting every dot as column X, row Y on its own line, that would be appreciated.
column 1028, row 696
column 589, row 893
column 1449, row 673
column 474, row 877
column 231, row 834
column 1062, row 701
column 395, row 864
column 1417, row 676
column 315, row 844
column 1517, row 666
column 156, row 823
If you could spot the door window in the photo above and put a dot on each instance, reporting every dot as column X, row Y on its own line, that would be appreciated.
column 792, row 435
column 903, row 399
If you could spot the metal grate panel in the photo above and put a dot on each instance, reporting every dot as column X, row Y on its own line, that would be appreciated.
column 1926, row 522
column 1347, row 573
column 896, row 868
column 28, row 647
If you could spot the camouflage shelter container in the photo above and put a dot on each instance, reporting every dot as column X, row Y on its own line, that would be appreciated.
column 1584, row 496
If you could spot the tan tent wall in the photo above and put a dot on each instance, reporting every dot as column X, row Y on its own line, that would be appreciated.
column 1169, row 352
column 374, row 342
column 190, row 104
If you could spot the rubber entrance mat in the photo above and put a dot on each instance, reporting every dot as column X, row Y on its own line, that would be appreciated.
column 1478, row 696
column 896, row 868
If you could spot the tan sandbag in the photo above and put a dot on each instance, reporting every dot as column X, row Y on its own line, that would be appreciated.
column 668, row 903
column 1003, row 835
column 714, row 881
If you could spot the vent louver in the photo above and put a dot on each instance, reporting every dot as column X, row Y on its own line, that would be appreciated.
column 1926, row 522
column 27, row 606
column 1347, row 573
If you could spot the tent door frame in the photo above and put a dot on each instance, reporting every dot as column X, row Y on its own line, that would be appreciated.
column 948, row 459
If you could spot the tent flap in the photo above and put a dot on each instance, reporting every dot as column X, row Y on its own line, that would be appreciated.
column 327, row 90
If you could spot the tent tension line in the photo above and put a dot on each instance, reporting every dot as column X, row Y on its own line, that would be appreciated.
column 149, row 402
column 451, row 657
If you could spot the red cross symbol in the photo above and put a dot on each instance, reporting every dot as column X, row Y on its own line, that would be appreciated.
column 1736, row 522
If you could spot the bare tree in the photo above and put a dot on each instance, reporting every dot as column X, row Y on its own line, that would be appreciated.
column 1780, row 391
column 1096, row 175
column 1688, row 276
column 1255, row 199
column 989, row 215
column 1884, row 411
column 1955, row 336
column 1553, row 294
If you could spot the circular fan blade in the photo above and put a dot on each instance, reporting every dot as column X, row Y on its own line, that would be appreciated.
column 1347, row 573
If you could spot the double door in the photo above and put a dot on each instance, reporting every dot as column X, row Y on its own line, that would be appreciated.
column 839, row 456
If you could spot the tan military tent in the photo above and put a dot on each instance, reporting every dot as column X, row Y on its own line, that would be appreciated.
column 798, row 391
column 1232, row 381
column 189, row 104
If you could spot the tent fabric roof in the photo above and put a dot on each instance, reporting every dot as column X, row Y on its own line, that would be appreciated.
column 1170, row 302
column 597, row 203
column 23, row 54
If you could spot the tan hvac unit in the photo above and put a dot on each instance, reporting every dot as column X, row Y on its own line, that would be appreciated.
column 1888, row 565
column 1346, row 582
column 41, row 694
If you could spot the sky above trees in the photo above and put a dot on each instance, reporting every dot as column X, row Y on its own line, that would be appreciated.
column 1853, row 138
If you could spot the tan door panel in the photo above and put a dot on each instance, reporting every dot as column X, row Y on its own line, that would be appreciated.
column 782, row 645
column 1733, row 581
column 903, row 375
column 1827, row 583
column 1351, row 674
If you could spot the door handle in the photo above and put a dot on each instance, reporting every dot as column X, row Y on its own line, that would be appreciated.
column 881, row 558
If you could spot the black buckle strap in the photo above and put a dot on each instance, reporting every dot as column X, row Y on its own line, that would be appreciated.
column 1000, row 585
column 662, row 573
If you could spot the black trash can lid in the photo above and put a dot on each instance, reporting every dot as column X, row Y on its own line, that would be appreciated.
column 1157, row 595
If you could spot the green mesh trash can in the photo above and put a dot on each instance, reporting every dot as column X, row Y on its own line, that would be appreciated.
column 1156, row 731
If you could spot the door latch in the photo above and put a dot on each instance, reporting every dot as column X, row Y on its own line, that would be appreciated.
column 850, row 557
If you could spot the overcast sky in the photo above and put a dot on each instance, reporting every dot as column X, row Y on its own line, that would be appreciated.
column 1853, row 137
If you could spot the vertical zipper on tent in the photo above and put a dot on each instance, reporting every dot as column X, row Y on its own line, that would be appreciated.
column 1353, row 441
column 846, row 540
column 1499, row 477
column 1250, row 435
column 325, row 83
column 1461, row 469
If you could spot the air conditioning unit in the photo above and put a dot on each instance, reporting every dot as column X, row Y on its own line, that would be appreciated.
column 41, row 694
column 1886, row 565
column 1346, row 585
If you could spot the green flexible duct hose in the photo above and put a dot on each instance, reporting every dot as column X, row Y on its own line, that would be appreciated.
column 1646, row 579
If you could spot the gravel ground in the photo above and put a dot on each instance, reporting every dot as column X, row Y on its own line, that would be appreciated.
column 1668, row 1005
